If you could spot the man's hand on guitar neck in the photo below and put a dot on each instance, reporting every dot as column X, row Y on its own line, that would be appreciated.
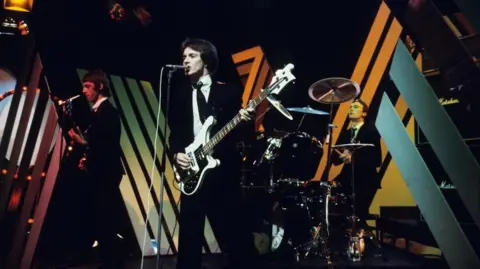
column 247, row 114
column 182, row 160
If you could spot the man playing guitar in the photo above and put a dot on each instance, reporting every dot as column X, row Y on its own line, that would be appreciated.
column 220, row 196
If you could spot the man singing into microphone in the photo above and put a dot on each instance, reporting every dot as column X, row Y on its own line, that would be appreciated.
column 102, row 164
column 220, row 195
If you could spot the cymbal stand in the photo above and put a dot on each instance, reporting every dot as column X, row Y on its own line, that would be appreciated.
column 324, row 232
column 301, row 121
column 355, row 248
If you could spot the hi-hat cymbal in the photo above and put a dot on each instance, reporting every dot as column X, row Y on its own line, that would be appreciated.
column 333, row 90
column 307, row 110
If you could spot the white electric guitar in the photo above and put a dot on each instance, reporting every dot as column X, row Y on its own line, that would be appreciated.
column 200, row 150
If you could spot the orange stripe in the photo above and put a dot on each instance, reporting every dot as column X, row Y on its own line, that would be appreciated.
column 361, row 67
column 377, row 73
column 257, row 54
column 244, row 69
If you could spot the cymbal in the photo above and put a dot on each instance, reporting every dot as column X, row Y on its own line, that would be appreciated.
column 307, row 110
column 352, row 146
column 333, row 90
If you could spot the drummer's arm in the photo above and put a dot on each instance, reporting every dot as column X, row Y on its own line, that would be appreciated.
column 338, row 157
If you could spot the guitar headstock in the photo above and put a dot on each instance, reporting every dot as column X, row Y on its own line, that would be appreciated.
column 281, row 79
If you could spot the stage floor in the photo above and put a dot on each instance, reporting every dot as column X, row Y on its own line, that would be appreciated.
column 392, row 258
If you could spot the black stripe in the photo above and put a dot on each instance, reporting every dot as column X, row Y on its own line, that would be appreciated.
column 32, row 136
column 150, row 146
column 137, row 195
column 388, row 157
column 380, row 45
column 142, row 166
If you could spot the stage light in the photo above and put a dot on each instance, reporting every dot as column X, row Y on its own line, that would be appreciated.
column 18, row 5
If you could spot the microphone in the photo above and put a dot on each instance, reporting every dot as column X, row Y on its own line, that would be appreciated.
column 60, row 103
column 175, row 66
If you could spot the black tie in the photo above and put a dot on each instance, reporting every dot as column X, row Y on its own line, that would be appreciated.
column 201, row 102
column 353, row 135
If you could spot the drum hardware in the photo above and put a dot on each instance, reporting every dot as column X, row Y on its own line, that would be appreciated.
column 332, row 91
column 306, row 110
column 356, row 244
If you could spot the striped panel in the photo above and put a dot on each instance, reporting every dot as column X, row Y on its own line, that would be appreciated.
column 138, row 107
column 44, row 198
column 364, row 69
column 437, row 213
column 446, row 141
column 35, row 134
column 253, row 65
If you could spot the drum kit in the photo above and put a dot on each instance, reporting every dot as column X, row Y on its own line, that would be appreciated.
column 305, row 218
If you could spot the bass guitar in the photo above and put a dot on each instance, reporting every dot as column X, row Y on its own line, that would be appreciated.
column 191, row 180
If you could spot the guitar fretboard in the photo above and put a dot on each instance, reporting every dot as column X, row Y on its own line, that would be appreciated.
column 217, row 138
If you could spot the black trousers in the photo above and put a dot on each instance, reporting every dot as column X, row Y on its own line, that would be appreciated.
column 219, row 200
column 107, row 200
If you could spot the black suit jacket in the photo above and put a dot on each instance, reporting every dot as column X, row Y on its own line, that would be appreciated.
column 365, row 160
column 225, row 100
column 103, row 149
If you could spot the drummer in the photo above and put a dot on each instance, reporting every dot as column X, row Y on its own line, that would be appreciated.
column 365, row 160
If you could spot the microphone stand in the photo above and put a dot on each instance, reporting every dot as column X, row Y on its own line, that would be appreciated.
column 163, row 162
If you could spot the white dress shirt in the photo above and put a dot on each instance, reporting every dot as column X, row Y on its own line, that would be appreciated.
column 205, row 89
column 98, row 103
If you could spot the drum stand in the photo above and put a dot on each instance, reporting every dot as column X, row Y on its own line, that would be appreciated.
column 356, row 245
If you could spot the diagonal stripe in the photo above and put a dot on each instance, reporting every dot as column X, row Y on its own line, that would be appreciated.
column 133, row 161
column 447, row 143
column 378, row 27
column 257, row 54
column 244, row 68
column 433, row 206
column 171, row 215
column 44, row 198
column 153, row 102
column 170, row 182
column 452, row 26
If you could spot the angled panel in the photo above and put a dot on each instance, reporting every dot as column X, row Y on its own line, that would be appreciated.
column 435, row 209
column 379, row 27
column 253, row 64
column 447, row 143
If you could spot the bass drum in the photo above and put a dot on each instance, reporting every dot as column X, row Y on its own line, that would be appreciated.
column 300, row 155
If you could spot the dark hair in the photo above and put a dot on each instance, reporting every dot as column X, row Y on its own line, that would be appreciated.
column 364, row 105
column 208, row 52
column 98, row 77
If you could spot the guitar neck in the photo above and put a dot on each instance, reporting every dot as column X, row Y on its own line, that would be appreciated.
column 218, row 137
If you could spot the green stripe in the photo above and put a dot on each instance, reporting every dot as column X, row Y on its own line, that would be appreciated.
column 153, row 102
column 150, row 126
column 424, row 189
column 439, row 129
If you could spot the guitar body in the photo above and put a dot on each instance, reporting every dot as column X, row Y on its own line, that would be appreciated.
column 191, row 180
column 200, row 150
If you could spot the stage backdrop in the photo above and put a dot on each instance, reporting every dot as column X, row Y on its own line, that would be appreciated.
column 142, row 150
